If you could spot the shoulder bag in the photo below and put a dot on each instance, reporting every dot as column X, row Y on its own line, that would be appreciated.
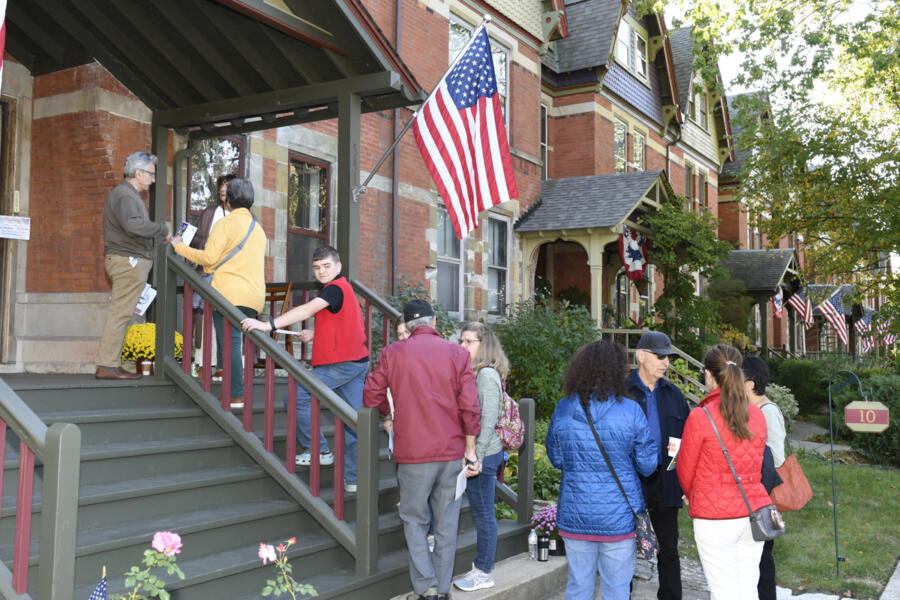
column 766, row 522
column 645, row 537
column 237, row 248
column 795, row 492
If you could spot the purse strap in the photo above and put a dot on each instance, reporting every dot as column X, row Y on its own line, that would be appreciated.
column 237, row 248
column 606, row 458
column 728, row 458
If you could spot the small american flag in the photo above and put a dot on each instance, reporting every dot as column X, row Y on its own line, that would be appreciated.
column 833, row 311
column 99, row 592
column 884, row 327
column 461, row 135
column 803, row 307
column 864, row 324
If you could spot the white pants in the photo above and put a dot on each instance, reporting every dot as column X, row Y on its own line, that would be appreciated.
column 730, row 557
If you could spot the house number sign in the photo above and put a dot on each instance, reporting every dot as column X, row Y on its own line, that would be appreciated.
column 866, row 417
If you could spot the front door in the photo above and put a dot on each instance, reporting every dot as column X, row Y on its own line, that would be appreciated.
column 308, row 216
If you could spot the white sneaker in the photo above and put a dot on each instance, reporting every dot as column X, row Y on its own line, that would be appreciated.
column 325, row 459
column 476, row 579
column 350, row 488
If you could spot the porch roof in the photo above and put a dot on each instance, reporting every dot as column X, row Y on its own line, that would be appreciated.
column 761, row 270
column 593, row 201
column 220, row 66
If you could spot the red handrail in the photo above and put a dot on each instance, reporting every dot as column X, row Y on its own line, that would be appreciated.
column 22, row 541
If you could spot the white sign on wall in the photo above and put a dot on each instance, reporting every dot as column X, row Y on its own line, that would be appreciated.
column 15, row 228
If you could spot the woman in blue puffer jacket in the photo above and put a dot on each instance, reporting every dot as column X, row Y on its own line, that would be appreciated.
column 592, row 515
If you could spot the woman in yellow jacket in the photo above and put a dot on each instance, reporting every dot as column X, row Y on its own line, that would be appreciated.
column 235, row 255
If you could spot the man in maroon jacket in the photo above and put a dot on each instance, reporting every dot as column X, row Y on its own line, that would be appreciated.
column 436, row 419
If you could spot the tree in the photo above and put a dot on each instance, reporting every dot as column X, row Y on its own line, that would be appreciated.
column 684, row 243
column 823, row 142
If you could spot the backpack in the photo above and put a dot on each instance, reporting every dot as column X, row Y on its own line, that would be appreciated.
column 509, row 426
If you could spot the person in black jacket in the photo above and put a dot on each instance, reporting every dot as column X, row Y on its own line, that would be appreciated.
column 666, row 410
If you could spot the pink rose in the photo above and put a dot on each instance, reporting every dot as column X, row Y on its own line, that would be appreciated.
column 167, row 543
column 266, row 553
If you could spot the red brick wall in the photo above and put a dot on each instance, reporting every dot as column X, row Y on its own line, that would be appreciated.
column 75, row 160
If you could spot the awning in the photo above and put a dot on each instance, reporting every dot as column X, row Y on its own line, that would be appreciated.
column 224, row 66
column 762, row 271
column 595, row 201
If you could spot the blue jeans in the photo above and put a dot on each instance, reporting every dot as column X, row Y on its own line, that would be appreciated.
column 480, row 491
column 613, row 560
column 347, row 380
column 237, row 364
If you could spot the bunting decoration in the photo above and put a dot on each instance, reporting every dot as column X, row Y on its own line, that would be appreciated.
column 633, row 250
column 778, row 303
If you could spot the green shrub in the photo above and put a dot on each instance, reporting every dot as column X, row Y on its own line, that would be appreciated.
column 546, row 476
column 808, row 380
column 882, row 448
column 540, row 430
column 539, row 340
column 785, row 400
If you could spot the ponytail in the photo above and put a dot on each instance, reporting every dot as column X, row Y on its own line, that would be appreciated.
column 724, row 363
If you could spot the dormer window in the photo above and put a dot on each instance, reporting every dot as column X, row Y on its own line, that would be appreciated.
column 700, row 109
column 630, row 50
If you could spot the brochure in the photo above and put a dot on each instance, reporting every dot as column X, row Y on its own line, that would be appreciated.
column 146, row 299
column 186, row 231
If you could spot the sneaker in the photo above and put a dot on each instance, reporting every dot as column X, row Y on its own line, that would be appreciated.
column 350, row 488
column 430, row 539
column 325, row 459
column 476, row 579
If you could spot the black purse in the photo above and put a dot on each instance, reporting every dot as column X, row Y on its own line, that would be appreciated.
column 645, row 537
column 766, row 522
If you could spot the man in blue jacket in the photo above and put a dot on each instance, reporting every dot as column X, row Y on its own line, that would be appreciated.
column 666, row 410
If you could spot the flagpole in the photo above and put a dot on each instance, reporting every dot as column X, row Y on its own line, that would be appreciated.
column 357, row 191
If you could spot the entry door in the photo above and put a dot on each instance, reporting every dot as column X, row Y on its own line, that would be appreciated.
column 7, row 188
column 308, row 216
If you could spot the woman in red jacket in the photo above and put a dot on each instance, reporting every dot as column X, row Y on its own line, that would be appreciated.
column 727, row 550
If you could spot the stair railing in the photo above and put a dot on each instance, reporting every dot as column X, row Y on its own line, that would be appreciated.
column 360, row 541
column 58, row 447
column 692, row 387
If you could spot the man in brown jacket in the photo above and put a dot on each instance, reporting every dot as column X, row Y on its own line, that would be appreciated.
column 129, row 237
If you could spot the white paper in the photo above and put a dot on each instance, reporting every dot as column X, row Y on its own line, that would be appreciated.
column 15, row 228
column 147, row 297
column 391, row 441
column 461, row 480
column 186, row 231
column 287, row 332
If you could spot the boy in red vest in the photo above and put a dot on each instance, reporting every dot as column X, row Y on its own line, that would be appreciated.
column 340, row 357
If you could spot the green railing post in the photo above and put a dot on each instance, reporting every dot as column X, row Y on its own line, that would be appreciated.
column 59, row 515
column 367, row 491
column 525, row 490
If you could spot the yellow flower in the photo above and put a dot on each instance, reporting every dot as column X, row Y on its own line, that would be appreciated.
column 140, row 342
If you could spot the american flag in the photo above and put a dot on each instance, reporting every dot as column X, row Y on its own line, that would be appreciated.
column 884, row 327
column 2, row 35
column 778, row 303
column 803, row 307
column 99, row 592
column 864, row 324
column 462, row 137
column 833, row 311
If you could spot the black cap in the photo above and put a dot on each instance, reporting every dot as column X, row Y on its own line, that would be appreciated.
column 416, row 308
column 656, row 342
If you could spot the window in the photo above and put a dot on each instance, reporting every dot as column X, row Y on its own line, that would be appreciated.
column 544, row 154
column 498, row 263
column 215, row 157
column 307, row 215
column 701, row 192
column 637, row 140
column 630, row 50
column 620, row 131
column 700, row 114
column 689, row 180
column 449, row 264
column 460, row 32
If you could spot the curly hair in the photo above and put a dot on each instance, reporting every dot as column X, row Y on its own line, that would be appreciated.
column 597, row 371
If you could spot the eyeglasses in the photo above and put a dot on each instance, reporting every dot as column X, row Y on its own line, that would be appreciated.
column 660, row 356
column 152, row 174
column 469, row 342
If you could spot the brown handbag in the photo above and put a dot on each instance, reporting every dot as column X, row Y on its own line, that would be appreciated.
column 795, row 492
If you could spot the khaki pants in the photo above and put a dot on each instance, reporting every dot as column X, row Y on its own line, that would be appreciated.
column 127, row 285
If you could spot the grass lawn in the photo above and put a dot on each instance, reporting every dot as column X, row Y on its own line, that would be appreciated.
column 868, row 530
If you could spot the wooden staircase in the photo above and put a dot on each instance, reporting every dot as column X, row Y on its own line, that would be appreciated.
column 153, row 460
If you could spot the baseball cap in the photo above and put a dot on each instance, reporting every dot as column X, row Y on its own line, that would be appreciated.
column 656, row 342
column 416, row 308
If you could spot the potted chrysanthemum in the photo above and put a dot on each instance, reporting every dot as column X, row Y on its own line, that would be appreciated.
column 140, row 346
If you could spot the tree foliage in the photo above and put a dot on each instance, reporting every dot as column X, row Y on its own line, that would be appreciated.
column 685, row 243
column 823, row 141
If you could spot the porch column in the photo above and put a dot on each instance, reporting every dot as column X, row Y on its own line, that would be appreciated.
column 163, row 278
column 348, row 179
column 596, row 243
column 763, row 302
column 792, row 330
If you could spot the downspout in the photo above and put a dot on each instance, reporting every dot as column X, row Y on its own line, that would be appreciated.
column 395, row 170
